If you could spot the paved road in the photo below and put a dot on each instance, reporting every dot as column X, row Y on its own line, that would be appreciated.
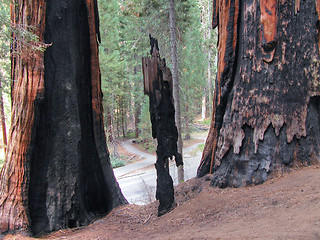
column 138, row 180
column 148, row 159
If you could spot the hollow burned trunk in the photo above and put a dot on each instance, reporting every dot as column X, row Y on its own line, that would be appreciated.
column 57, row 173
column 267, row 96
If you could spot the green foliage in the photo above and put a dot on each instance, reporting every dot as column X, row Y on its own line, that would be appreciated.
column 1, row 162
column 192, row 74
column 130, row 134
column 206, row 121
column 22, row 37
column 5, row 65
column 145, row 133
column 145, row 123
column 198, row 149
column 125, row 27
column 117, row 161
column 5, row 46
column 201, row 147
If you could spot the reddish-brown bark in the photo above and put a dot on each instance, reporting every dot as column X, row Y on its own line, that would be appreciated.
column 266, row 110
column 28, row 87
column 95, row 69
column 226, row 18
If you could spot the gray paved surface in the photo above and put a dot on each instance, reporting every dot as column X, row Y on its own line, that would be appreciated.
column 138, row 180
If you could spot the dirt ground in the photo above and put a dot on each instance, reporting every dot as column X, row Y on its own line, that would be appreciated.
column 287, row 207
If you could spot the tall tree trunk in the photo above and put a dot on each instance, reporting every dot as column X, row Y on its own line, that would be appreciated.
column 57, row 173
column 123, row 121
column 3, row 119
column 187, row 122
column 109, row 125
column 203, row 108
column 209, row 83
column 137, row 113
column 267, row 94
column 175, row 78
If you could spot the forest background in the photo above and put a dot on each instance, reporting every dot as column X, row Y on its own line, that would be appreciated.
column 125, row 27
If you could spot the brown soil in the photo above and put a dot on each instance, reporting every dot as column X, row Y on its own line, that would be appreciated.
column 287, row 207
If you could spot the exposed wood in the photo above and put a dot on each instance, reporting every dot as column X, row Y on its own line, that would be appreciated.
column 268, row 31
column 266, row 106
column 158, row 86
column 297, row 6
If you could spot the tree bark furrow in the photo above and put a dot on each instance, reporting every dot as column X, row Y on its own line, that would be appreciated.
column 215, row 15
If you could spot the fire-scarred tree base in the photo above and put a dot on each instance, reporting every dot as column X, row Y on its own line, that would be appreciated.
column 266, row 106
column 274, row 155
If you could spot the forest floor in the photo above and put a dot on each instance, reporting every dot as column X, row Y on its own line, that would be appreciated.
column 286, row 207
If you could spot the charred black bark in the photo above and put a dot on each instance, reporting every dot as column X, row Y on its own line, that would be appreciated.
column 71, row 178
column 158, row 85
column 270, row 122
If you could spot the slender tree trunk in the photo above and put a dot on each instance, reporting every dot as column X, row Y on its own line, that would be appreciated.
column 114, row 141
column 57, row 173
column 137, row 120
column 118, row 121
column 175, row 78
column 137, row 99
column 267, row 93
column 123, row 122
column 109, row 125
column 203, row 108
column 187, row 137
column 209, row 84
column 206, row 12
column 210, row 78
column 3, row 119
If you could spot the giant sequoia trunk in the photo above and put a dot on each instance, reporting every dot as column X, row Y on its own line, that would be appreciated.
column 267, row 96
column 57, row 172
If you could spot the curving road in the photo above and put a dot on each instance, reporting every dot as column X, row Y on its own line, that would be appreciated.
column 138, row 180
